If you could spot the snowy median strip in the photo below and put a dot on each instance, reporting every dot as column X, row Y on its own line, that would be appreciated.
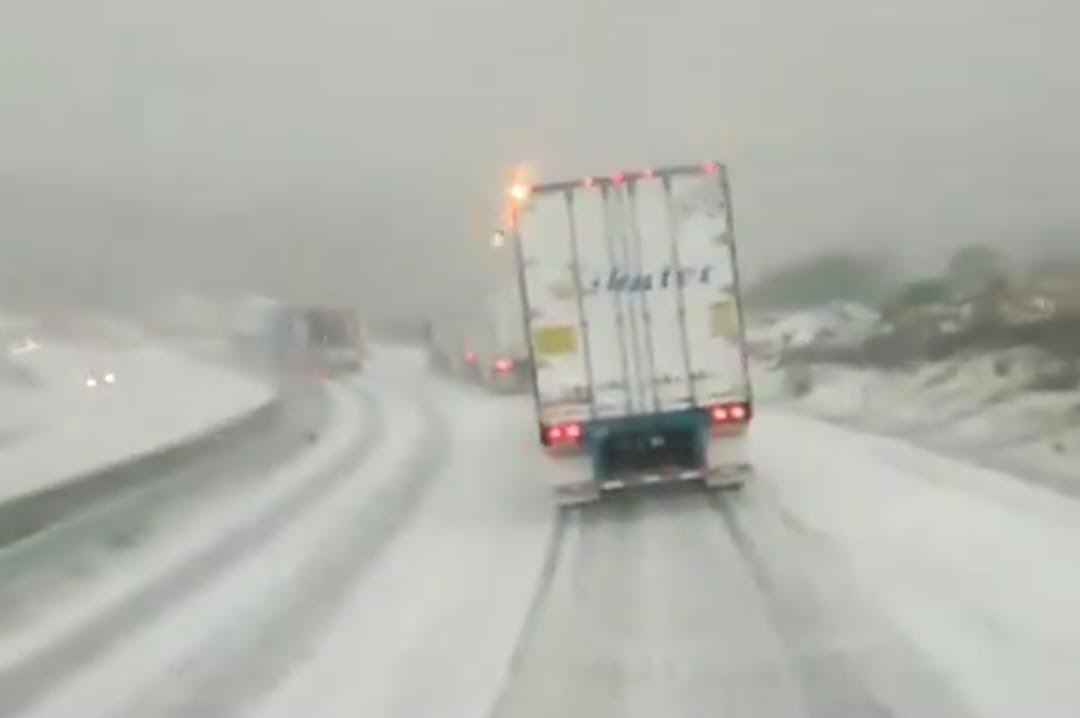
column 159, row 404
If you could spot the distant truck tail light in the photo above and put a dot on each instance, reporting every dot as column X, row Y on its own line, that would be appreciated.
column 727, row 414
column 470, row 358
column 560, row 434
column 503, row 365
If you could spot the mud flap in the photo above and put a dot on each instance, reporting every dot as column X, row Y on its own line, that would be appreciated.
column 572, row 479
column 569, row 495
column 728, row 477
column 728, row 461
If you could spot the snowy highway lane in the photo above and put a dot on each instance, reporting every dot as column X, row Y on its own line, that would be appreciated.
column 229, row 616
column 856, row 576
column 424, row 571
column 682, row 604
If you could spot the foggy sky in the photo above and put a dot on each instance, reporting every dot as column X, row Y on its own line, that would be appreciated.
column 360, row 149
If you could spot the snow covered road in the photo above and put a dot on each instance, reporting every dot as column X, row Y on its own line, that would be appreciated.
column 972, row 566
column 411, row 564
column 678, row 604
column 857, row 576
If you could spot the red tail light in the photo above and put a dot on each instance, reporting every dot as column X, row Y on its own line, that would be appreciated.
column 736, row 413
column 561, row 434
column 710, row 167
column 503, row 365
column 470, row 358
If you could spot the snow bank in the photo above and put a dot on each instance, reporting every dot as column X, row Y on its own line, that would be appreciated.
column 843, row 323
column 67, row 429
column 982, row 405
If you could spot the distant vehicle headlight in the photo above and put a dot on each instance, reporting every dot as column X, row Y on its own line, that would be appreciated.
column 23, row 347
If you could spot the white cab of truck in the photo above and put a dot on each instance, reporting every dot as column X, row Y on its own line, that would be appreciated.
column 634, row 326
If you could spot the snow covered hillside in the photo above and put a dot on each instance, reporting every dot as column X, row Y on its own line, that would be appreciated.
column 1012, row 409
column 841, row 323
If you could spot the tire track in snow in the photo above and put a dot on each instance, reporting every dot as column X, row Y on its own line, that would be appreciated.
column 443, row 605
column 566, row 521
column 27, row 683
column 675, row 603
column 545, row 673
column 227, row 680
column 649, row 612
column 846, row 659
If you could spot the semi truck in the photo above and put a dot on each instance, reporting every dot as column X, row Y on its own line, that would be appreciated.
column 450, row 348
column 328, row 341
column 631, row 308
column 484, row 344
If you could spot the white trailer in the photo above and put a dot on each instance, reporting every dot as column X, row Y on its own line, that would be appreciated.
column 634, row 326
